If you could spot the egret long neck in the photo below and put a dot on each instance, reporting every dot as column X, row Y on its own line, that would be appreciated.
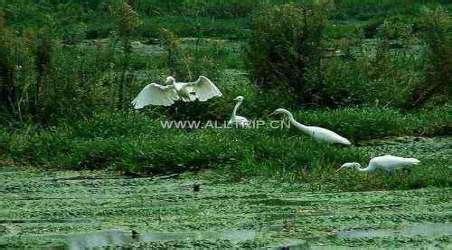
column 302, row 127
column 237, row 105
column 361, row 169
column 178, row 85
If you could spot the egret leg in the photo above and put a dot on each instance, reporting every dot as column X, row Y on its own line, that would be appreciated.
column 407, row 171
column 390, row 172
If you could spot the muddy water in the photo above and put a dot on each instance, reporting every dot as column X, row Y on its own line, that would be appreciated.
column 92, row 209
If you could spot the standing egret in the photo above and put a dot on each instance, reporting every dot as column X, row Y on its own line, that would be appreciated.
column 386, row 162
column 165, row 95
column 236, row 120
column 319, row 134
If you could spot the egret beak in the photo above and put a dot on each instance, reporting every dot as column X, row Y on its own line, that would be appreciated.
column 339, row 169
column 272, row 113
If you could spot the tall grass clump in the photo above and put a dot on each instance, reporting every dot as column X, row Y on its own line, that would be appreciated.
column 4, row 142
column 128, row 21
column 366, row 72
column 17, row 74
column 8, row 67
column 45, row 81
column 188, row 62
column 43, row 65
column 437, row 34
column 284, row 49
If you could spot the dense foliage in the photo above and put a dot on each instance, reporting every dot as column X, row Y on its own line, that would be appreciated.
column 285, row 47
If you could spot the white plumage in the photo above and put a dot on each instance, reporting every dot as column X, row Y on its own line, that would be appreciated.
column 166, row 95
column 319, row 134
column 386, row 162
column 236, row 120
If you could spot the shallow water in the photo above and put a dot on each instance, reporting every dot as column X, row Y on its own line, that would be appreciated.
column 96, row 209
column 427, row 229
column 120, row 238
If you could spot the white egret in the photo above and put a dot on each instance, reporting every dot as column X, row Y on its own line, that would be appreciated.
column 386, row 162
column 236, row 120
column 319, row 134
column 165, row 95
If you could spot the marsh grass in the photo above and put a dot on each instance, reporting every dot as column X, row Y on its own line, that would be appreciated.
column 132, row 143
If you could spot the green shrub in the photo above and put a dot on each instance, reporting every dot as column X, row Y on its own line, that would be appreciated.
column 367, row 73
column 284, row 46
column 395, row 28
column 437, row 33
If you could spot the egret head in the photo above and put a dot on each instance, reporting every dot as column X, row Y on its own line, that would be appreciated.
column 239, row 98
column 349, row 165
column 170, row 80
column 280, row 111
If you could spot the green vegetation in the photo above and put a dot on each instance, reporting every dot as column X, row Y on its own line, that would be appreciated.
column 437, row 27
column 75, row 157
column 285, row 48
column 69, row 69
column 136, row 144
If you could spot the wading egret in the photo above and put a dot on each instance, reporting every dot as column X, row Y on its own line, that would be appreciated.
column 319, row 134
column 165, row 95
column 236, row 120
column 386, row 162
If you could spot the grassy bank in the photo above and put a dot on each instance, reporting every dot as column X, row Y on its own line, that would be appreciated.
column 135, row 143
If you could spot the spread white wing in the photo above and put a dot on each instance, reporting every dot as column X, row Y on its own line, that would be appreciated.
column 156, row 94
column 203, row 88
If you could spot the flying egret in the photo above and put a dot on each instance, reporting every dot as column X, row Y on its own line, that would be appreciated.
column 236, row 120
column 319, row 134
column 165, row 95
column 386, row 162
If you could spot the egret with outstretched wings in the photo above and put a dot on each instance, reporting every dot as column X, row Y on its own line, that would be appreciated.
column 166, row 95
